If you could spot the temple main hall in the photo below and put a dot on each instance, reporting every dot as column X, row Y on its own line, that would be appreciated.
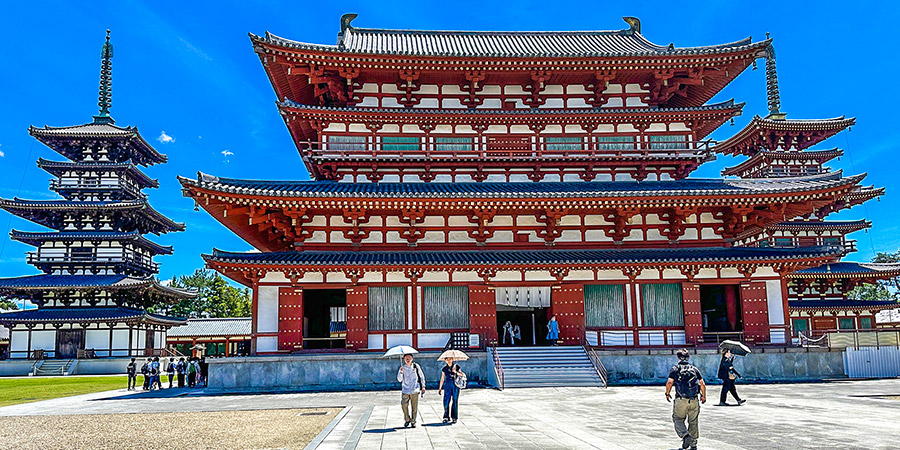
column 466, row 183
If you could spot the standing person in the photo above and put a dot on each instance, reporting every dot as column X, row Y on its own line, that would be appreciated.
column 728, row 375
column 204, row 369
column 180, row 370
column 145, row 371
column 412, row 383
column 689, row 384
column 507, row 332
column 170, row 370
column 517, row 333
column 192, row 370
column 154, row 374
column 449, row 375
column 131, row 370
column 553, row 330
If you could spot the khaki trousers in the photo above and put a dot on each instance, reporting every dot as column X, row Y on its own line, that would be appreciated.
column 687, row 409
column 407, row 401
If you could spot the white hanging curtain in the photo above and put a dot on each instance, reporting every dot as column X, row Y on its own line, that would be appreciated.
column 524, row 296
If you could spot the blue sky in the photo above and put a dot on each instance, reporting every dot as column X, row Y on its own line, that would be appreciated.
column 187, row 69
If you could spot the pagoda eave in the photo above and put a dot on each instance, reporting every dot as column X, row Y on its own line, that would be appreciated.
column 772, row 134
column 66, row 140
column 88, row 315
column 820, row 156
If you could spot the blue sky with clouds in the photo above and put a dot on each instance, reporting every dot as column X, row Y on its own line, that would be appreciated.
column 186, row 75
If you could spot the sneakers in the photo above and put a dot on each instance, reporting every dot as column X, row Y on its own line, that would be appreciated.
column 413, row 425
column 722, row 404
column 741, row 402
column 686, row 441
column 693, row 447
column 406, row 425
column 454, row 420
column 446, row 420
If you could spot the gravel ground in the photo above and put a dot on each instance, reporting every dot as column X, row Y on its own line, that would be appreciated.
column 261, row 429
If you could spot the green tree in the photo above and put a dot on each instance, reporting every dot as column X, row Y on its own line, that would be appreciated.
column 216, row 298
column 884, row 290
column 8, row 304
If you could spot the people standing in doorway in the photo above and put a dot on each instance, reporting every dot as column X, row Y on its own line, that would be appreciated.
column 180, row 370
column 517, row 332
column 728, row 375
column 451, row 376
column 131, row 370
column 689, row 385
column 412, row 384
column 170, row 370
column 508, row 333
column 553, row 330
column 145, row 371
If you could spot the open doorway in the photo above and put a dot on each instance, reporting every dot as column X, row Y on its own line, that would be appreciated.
column 531, row 323
column 324, row 318
column 721, row 307
column 68, row 342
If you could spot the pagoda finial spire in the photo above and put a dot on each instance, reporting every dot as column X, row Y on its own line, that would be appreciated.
column 772, row 94
column 105, row 102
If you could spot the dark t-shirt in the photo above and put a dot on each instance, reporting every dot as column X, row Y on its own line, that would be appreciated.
column 673, row 375
column 131, row 368
column 448, row 375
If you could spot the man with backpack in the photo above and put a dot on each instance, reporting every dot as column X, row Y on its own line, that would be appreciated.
column 689, row 385
column 412, row 383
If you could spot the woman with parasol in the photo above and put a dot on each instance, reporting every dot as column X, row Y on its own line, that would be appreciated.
column 452, row 380
column 727, row 373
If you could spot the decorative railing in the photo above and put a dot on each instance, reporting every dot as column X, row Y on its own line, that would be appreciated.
column 485, row 151
column 94, row 185
column 598, row 365
column 498, row 367
column 877, row 337
column 139, row 263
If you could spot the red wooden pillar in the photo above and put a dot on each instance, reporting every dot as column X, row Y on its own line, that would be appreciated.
column 693, row 315
column 290, row 318
column 483, row 313
column 567, row 303
column 254, row 313
column 756, row 311
column 357, row 318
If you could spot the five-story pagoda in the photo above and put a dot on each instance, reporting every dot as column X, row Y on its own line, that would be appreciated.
column 98, row 270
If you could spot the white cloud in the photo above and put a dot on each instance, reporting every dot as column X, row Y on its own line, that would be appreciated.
column 165, row 138
column 227, row 154
column 1, row 152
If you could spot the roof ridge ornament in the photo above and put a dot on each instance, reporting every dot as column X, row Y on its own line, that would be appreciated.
column 105, row 102
column 772, row 94
column 634, row 23
column 345, row 25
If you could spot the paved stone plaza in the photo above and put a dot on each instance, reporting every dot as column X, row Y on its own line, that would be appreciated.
column 847, row 414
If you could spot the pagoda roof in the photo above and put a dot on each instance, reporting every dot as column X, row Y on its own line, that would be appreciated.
column 37, row 238
column 213, row 327
column 847, row 270
column 134, row 147
column 51, row 315
column 838, row 305
column 502, row 44
column 58, row 168
column 49, row 212
column 516, row 259
column 821, row 156
column 46, row 282
column 715, row 114
column 815, row 225
column 580, row 189
column 768, row 133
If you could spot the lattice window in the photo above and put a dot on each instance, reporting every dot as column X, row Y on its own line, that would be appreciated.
column 846, row 323
column 615, row 142
column 446, row 307
column 604, row 305
column 668, row 142
column 784, row 242
column 387, row 308
column 400, row 143
column 453, row 144
column 345, row 143
column 563, row 143
column 663, row 305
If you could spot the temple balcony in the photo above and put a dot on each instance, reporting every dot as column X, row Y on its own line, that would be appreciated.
column 72, row 263
column 87, row 189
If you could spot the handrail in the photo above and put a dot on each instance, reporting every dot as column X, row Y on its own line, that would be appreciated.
column 498, row 367
column 598, row 365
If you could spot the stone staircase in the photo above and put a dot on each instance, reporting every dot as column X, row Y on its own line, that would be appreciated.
column 547, row 367
column 53, row 367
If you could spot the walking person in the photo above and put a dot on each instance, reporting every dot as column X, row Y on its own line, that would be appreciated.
column 192, row 370
column 448, row 386
column 131, row 370
column 170, row 371
column 412, row 384
column 154, row 374
column 180, row 369
column 553, row 330
column 689, row 385
column 204, row 372
column 145, row 371
column 728, row 375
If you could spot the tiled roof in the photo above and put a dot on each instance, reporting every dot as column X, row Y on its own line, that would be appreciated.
column 36, row 239
column 850, row 270
column 501, row 44
column 768, row 155
column 830, row 305
column 522, row 257
column 59, row 167
column 42, row 282
column 230, row 326
column 142, row 152
column 758, row 133
column 141, row 206
column 822, row 225
column 604, row 189
column 84, row 315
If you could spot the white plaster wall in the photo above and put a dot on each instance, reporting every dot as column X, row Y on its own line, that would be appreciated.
column 267, row 343
column 120, row 340
column 775, row 302
column 399, row 339
column 433, row 340
column 376, row 341
column 97, row 339
column 267, row 309
column 18, row 341
column 43, row 340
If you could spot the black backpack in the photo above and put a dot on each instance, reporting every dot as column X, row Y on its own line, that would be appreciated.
column 687, row 382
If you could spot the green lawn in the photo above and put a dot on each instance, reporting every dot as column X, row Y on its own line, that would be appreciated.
column 23, row 390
